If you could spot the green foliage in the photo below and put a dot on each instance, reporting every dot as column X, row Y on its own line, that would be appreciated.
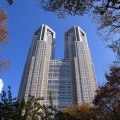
column 106, row 105
column 63, row 116
column 51, row 98
column 32, row 108
column 7, row 105
column 12, row 109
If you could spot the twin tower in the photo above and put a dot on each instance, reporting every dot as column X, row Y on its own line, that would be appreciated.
column 72, row 80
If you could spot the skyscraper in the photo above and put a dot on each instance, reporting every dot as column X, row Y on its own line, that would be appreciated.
column 1, row 85
column 72, row 80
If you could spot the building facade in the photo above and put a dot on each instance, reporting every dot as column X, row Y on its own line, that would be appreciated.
column 1, row 85
column 72, row 80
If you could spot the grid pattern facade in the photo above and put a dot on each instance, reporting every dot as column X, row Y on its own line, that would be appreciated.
column 71, row 80
column 59, row 82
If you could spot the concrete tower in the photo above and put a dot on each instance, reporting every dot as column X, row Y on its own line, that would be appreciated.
column 82, row 73
column 72, row 80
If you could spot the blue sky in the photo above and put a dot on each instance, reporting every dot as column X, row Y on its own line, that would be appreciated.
column 24, row 18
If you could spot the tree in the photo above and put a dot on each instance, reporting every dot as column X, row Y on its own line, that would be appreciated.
column 10, row 2
column 12, row 109
column 7, row 105
column 59, row 115
column 79, row 112
column 62, row 7
column 105, row 13
column 4, row 64
column 3, row 27
column 32, row 108
column 107, row 100
column 115, row 46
